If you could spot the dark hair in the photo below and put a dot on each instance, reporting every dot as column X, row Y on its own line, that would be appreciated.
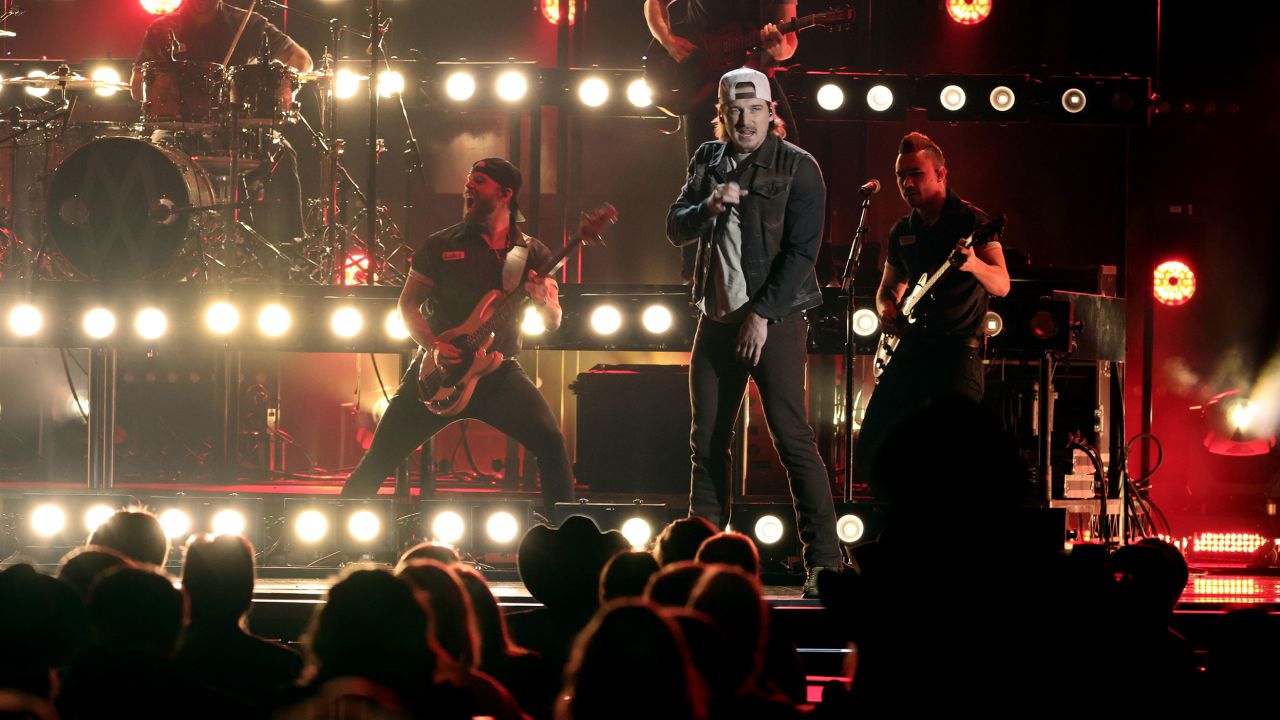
column 496, row 644
column 455, row 623
column 626, row 575
column 729, row 548
column 914, row 142
column 373, row 625
column 80, row 567
column 631, row 662
column 735, row 601
column 681, row 539
column 136, row 607
column 673, row 584
column 136, row 533
column 218, row 578
column 428, row 550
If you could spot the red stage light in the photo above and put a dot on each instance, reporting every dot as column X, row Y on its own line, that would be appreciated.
column 968, row 12
column 354, row 269
column 160, row 7
column 551, row 10
column 1175, row 283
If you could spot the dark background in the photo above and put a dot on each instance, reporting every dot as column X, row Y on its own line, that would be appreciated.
column 1196, row 184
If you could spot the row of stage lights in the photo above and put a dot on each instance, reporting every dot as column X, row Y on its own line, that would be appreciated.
column 371, row 321
column 833, row 95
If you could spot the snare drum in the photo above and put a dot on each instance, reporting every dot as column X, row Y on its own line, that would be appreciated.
column 182, row 94
column 264, row 93
column 125, row 209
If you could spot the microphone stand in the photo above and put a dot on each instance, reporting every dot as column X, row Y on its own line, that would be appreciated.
column 375, row 52
column 847, row 286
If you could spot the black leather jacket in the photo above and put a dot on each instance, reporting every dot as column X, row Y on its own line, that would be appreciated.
column 781, row 218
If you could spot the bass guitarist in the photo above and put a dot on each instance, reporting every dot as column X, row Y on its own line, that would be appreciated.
column 702, row 16
column 453, row 271
column 940, row 351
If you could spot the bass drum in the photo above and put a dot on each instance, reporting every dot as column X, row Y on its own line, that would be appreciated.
column 120, row 209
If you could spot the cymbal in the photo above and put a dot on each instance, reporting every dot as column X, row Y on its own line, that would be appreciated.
column 65, row 82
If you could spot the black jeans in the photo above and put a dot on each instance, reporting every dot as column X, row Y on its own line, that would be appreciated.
column 922, row 371
column 717, row 383
column 507, row 400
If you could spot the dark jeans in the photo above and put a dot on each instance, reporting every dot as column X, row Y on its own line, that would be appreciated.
column 717, row 383
column 922, row 372
column 507, row 400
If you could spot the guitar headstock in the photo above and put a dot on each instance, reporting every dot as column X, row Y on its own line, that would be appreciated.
column 594, row 223
column 834, row 19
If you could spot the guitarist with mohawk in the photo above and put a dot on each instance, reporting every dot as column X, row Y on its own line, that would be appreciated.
column 451, row 275
column 954, row 244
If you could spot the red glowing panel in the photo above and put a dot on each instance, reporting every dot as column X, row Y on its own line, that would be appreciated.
column 354, row 269
column 1174, row 283
column 551, row 10
column 160, row 7
column 1231, row 542
column 968, row 12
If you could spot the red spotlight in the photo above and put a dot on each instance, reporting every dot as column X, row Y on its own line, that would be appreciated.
column 551, row 11
column 968, row 12
column 354, row 269
column 160, row 7
column 1174, row 283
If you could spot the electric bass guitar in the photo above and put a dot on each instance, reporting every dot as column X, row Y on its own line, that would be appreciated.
column 447, row 388
column 920, row 291
column 679, row 86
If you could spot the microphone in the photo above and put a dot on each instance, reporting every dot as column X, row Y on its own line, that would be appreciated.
column 871, row 187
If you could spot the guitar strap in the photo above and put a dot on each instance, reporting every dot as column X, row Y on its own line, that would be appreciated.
column 514, row 268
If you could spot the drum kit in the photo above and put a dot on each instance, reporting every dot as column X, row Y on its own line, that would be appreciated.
column 153, row 200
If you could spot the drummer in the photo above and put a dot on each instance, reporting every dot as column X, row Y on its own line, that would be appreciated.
column 204, row 30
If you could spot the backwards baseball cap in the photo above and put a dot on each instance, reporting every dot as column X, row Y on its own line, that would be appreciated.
column 505, row 174
column 744, row 84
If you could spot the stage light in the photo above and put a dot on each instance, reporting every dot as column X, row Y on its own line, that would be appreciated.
column 656, row 319
column 830, row 97
column 346, row 84
column 390, row 83
column 1241, row 414
column 48, row 520
column 1074, row 100
column 311, row 526
column 355, row 268
column 551, row 11
column 968, row 12
column 76, row 406
column 639, row 93
column 380, row 406
column 850, row 528
column 25, row 320
column 151, row 324
column 346, row 322
column 364, row 525
column 99, row 323
column 1044, row 326
column 96, row 515
column 952, row 97
column 448, row 527
column 395, row 326
column 110, row 79
column 593, row 92
column 768, row 529
column 512, row 86
column 879, row 98
column 274, row 320
column 637, row 531
column 460, row 86
column 502, row 527
column 161, row 7
column 37, row 91
column 865, row 322
column 1002, row 98
column 228, row 522
column 222, row 318
column 606, row 320
column 1174, row 283
column 176, row 523
column 532, row 324
column 992, row 323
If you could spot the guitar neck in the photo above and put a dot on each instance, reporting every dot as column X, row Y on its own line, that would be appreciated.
column 512, row 302
column 748, row 39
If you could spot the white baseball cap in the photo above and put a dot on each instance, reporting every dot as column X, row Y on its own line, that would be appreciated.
column 743, row 84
